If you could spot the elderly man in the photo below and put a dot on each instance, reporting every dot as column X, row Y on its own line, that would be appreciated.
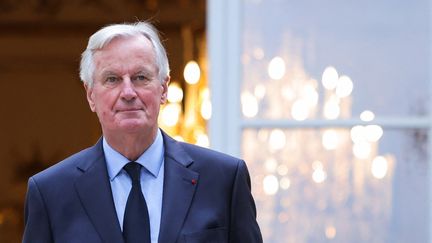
column 137, row 184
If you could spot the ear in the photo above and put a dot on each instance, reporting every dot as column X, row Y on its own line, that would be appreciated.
column 165, row 84
column 90, row 96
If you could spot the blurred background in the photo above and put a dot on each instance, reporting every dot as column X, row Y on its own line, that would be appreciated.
column 327, row 101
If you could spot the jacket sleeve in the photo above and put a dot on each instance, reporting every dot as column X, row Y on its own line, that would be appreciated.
column 243, row 227
column 37, row 226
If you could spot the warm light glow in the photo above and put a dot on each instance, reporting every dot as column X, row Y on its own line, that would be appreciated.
column 276, row 68
column 270, row 165
column 258, row 53
column 330, row 139
column 317, row 165
column 329, row 162
column 277, row 139
column 190, row 120
column 330, row 78
column 170, row 114
column 379, row 167
column 362, row 150
column 249, row 104
column 283, row 217
column 175, row 93
column 318, row 175
column 300, row 110
column 344, row 86
column 192, row 72
column 260, row 91
column 288, row 93
column 367, row 115
column 263, row 135
column 331, row 109
column 206, row 109
column 246, row 59
column 358, row 134
column 310, row 95
column 330, row 232
column 270, row 185
column 282, row 170
column 202, row 140
column 285, row 183
column 179, row 138
column 373, row 133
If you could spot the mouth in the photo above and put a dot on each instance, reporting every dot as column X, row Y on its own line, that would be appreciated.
column 129, row 110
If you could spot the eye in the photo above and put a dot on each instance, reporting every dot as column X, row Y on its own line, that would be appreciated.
column 140, row 77
column 111, row 79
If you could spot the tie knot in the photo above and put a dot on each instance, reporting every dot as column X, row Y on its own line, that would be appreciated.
column 134, row 171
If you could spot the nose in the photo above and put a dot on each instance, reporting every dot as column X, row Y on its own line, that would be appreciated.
column 128, row 92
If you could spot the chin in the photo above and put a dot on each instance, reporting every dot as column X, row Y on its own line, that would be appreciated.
column 136, row 126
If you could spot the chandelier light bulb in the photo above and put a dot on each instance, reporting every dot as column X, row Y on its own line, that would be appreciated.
column 330, row 78
column 367, row 116
column 270, row 185
column 379, row 167
column 330, row 232
column 206, row 109
column 362, row 150
column 175, row 93
column 319, row 176
column 300, row 110
column 285, row 183
column 330, row 139
column 170, row 114
column 192, row 72
column 277, row 140
column 358, row 134
column 276, row 68
column 373, row 133
column 249, row 104
column 260, row 91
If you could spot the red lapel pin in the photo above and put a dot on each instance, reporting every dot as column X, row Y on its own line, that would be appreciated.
column 194, row 181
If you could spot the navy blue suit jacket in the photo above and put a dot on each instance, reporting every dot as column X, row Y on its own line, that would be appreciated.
column 206, row 198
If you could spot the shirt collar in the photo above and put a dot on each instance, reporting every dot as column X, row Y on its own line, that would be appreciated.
column 151, row 159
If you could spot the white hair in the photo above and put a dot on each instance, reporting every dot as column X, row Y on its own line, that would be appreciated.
column 105, row 35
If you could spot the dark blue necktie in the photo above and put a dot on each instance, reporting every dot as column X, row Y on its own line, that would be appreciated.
column 136, row 223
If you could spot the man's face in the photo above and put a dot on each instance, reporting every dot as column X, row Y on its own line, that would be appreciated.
column 126, row 94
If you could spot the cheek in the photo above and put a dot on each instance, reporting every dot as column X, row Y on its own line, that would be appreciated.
column 151, row 98
column 103, row 114
column 103, row 105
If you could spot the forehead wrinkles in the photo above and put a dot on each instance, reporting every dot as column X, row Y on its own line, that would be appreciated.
column 120, row 68
column 126, row 55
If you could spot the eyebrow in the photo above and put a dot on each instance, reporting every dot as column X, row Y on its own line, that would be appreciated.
column 145, row 72
column 137, row 70
column 108, row 73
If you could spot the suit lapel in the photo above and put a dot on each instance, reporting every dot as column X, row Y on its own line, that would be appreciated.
column 94, row 191
column 179, row 189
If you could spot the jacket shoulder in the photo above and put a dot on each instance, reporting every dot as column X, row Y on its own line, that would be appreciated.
column 66, row 167
column 204, row 157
